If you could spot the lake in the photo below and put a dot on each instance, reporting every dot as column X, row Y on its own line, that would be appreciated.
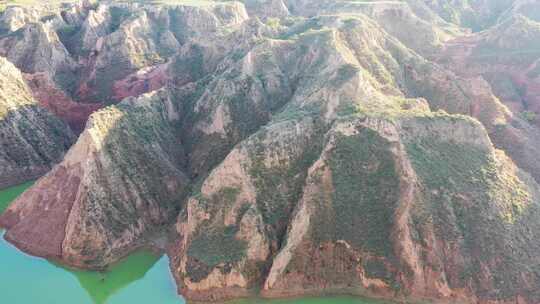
column 141, row 278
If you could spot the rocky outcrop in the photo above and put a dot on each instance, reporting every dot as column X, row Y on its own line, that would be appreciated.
column 371, row 197
column 137, row 38
column 102, row 214
column 408, row 251
column 373, row 207
column 379, row 166
column 32, row 139
column 13, row 18
column 230, row 229
column 54, row 99
column 36, row 48
column 102, row 53
column 504, row 56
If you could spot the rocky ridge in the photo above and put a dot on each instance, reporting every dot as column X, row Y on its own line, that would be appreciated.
column 32, row 139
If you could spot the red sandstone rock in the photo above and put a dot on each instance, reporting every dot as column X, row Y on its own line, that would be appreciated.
column 55, row 100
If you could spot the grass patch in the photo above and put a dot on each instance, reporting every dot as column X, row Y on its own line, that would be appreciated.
column 219, row 246
column 472, row 199
column 366, row 189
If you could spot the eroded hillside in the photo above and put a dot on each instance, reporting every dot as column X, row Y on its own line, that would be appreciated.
column 289, row 147
column 32, row 139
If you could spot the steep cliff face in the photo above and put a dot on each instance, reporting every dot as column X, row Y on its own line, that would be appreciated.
column 411, row 224
column 32, row 139
column 124, row 39
column 36, row 48
column 111, row 199
column 293, row 147
column 141, row 138
column 356, row 193
column 373, row 207
column 505, row 56
column 396, row 198
column 54, row 99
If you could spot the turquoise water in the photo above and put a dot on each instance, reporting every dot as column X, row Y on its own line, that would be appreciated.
column 142, row 278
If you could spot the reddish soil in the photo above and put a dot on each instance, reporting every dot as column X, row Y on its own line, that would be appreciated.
column 38, row 220
column 75, row 114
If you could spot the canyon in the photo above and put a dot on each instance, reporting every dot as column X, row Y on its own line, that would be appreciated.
column 280, row 148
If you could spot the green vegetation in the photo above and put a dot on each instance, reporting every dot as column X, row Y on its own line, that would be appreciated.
column 217, row 246
column 298, row 28
column 139, row 142
column 223, row 199
column 294, row 112
column 443, row 163
column 48, row 135
column 105, row 78
column 473, row 199
column 274, row 23
column 118, row 14
column 191, row 65
column 529, row 116
column 451, row 168
column 422, row 82
column 279, row 187
column 344, row 74
column 465, row 14
column 376, row 268
column 514, row 41
column 359, row 209
column 366, row 191
column 70, row 37
column 67, row 80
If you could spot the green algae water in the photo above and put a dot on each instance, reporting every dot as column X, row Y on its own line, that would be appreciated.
column 141, row 278
column 8, row 195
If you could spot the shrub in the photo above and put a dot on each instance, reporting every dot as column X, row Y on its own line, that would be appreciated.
column 529, row 116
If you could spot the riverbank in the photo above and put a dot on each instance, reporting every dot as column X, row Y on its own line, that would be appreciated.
column 142, row 277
